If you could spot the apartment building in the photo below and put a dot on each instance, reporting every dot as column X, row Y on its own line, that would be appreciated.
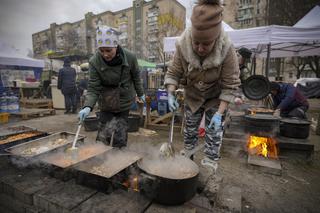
column 142, row 28
column 246, row 13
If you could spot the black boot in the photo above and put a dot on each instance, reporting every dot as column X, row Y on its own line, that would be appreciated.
column 67, row 112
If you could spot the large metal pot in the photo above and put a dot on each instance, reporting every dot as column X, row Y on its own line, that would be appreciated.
column 168, row 183
column 294, row 128
column 261, row 124
column 256, row 87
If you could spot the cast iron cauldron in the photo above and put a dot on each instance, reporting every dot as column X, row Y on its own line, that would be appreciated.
column 294, row 128
column 169, row 186
column 256, row 87
column 261, row 123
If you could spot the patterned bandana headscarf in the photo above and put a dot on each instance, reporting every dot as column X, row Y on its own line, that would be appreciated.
column 107, row 37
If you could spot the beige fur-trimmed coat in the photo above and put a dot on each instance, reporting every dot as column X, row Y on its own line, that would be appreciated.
column 219, row 80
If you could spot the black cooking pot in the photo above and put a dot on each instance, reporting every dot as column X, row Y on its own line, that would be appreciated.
column 256, row 87
column 164, row 189
column 294, row 128
column 261, row 124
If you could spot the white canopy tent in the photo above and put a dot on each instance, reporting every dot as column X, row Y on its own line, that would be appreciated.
column 169, row 42
column 311, row 19
column 282, row 41
column 10, row 57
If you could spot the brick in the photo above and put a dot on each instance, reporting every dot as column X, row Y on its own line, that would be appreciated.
column 265, row 165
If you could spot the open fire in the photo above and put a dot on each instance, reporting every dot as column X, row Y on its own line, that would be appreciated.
column 132, row 183
column 263, row 146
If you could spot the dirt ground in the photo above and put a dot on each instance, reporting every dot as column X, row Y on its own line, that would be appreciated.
column 296, row 190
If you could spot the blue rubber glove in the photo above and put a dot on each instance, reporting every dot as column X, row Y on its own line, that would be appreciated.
column 84, row 113
column 173, row 103
column 216, row 121
column 143, row 98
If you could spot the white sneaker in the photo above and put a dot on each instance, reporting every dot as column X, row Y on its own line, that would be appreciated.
column 210, row 163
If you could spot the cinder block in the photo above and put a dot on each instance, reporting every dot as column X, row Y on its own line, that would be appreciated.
column 16, row 206
column 23, row 186
column 62, row 197
column 265, row 165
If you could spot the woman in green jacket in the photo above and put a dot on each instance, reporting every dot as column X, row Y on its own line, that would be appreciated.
column 114, row 82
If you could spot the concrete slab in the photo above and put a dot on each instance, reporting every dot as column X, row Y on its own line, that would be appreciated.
column 23, row 186
column 118, row 201
column 9, row 204
column 229, row 197
column 156, row 208
column 62, row 197
column 265, row 165
column 201, row 203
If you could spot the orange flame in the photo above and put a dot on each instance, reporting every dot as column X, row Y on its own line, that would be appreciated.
column 132, row 183
column 264, row 146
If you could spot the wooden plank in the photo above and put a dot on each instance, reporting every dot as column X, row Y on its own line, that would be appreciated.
column 165, row 127
column 26, row 113
column 166, row 116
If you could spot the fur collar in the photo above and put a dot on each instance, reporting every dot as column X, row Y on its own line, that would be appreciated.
column 214, row 59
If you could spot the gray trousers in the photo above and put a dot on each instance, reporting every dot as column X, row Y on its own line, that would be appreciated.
column 213, row 138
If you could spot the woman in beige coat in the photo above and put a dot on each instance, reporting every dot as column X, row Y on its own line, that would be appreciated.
column 205, row 64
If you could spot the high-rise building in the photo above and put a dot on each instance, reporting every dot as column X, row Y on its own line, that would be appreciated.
column 143, row 27
column 246, row 13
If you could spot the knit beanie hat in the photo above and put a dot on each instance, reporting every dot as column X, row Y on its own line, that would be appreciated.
column 107, row 37
column 244, row 52
column 206, row 20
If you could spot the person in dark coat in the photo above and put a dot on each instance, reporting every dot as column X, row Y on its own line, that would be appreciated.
column 288, row 100
column 244, row 55
column 67, row 85
column 114, row 82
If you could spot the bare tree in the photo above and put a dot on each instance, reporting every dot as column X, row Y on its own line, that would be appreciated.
column 299, row 63
column 288, row 12
column 314, row 63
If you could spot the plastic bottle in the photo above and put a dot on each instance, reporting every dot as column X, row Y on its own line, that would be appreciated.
column 3, row 103
column 13, row 103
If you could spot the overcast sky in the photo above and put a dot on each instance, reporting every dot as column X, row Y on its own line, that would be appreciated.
column 19, row 19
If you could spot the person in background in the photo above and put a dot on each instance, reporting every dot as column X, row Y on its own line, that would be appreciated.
column 81, row 87
column 288, row 100
column 67, row 85
column 244, row 55
column 206, row 65
column 114, row 81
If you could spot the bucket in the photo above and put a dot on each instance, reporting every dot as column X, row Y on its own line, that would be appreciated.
column 91, row 124
column 133, row 123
